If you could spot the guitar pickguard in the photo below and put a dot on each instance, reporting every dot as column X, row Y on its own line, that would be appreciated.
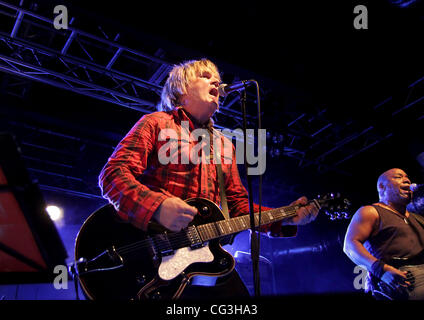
column 173, row 265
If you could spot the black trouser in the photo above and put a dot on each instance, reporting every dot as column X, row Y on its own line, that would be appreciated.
column 226, row 287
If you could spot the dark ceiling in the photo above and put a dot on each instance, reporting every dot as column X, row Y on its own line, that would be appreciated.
column 347, row 102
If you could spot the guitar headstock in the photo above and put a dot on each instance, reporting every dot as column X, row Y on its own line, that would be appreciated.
column 334, row 205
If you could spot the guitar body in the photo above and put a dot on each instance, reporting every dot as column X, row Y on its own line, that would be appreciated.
column 116, row 261
column 415, row 268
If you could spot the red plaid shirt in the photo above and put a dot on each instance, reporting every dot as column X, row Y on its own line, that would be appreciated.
column 136, row 182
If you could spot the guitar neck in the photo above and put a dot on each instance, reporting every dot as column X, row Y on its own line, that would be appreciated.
column 223, row 228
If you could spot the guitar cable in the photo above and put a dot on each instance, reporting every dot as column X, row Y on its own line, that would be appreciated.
column 74, row 273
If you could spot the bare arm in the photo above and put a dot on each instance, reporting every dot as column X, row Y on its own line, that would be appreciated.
column 361, row 227
column 363, row 224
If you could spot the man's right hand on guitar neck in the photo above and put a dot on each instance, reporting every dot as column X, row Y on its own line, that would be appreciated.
column 174, row 214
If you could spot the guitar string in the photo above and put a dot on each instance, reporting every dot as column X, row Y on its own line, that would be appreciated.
column 160, row 245
column 419, row 281
column 419, row 277
column 180, row 238
column 283, row 212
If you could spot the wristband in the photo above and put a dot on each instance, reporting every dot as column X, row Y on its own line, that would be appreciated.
column 377, row 269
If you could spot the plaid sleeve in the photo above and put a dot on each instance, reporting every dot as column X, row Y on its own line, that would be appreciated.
column 238, row 203
column 133, row 201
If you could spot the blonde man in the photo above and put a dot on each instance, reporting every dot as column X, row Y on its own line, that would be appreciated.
column 143, row 188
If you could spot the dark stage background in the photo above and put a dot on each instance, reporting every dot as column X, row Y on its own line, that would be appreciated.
column 340, row 106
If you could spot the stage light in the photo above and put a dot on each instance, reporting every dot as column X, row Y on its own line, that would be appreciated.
column 403, row 3
column 54, row 212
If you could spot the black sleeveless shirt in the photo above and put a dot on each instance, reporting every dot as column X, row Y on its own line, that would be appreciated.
column 395, row 237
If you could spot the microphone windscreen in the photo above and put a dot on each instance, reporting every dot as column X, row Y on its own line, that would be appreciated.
column 221, row 90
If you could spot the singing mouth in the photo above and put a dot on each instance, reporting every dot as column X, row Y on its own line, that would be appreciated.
column 406, row 190
column 214, row 92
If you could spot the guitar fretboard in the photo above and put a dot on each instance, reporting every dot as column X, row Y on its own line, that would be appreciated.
column 222, row 228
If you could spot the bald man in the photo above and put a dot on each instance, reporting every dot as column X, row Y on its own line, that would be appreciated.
column 384, row 233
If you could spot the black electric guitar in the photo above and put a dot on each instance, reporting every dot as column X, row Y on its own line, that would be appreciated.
column 115, row 260
column 414, row 267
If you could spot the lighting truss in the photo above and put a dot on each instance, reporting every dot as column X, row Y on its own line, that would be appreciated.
column 74, row 60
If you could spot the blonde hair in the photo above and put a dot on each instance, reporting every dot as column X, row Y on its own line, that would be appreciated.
column 180, row 77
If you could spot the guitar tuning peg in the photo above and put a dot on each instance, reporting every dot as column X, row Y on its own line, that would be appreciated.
column 331, row 215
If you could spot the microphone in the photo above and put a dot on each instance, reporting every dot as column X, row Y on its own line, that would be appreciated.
column 225, row 89
column 417, row 200
column 414, row 187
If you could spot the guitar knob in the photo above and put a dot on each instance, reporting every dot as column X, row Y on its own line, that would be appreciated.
column 141, row 279
column 156, row 296
column 185, row 279
column 223, row 262
column 204, row 211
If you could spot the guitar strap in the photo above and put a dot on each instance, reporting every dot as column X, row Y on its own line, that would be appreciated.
column 224, row 204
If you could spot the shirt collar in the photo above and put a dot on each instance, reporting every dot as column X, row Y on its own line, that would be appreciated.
column 184, row 115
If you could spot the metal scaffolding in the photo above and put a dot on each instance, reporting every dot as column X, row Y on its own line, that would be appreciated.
column 100, row 67
column 84, row 63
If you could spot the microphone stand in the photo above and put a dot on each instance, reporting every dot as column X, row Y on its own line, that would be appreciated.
column 254, row 239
